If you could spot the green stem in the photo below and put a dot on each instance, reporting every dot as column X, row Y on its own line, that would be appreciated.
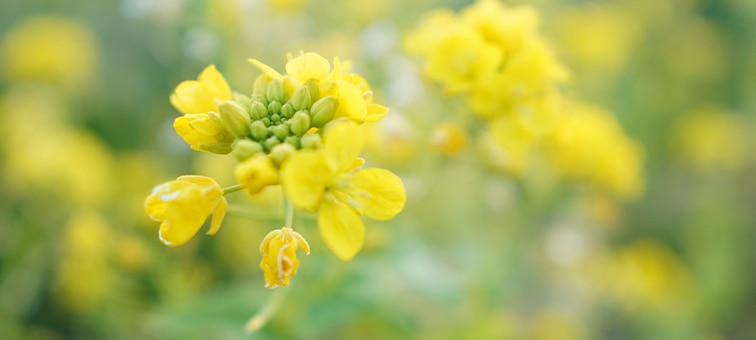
column 288, row 213
column 259, row 320
column 232, row 189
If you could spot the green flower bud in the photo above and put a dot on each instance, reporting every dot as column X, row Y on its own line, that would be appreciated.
column 311, row 141
column 301, row 99
column 258, row 130
column 219, row 148
column 276, row 91
column 243, row 100
column 274, row 107
column 300, row 123
column 313, row 88
column 323, row 110
column 245, row 149
column 266, row 121
column 294, row 141
column 271, row 142
column 235, row 118
column 279, row 152
column 260, row 89
column 258, row 110
column 280, row 131
column 275, row 118
column 287, row 111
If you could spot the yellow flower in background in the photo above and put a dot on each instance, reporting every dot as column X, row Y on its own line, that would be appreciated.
column 56, row 49
column 183, row 206
column 460, row 59
column 448, row 138
column 203, row 132
column 331, row 182
column 202, row 95
column 506, row 27
column 279, row 251
column 589, row 144
column 710, row 138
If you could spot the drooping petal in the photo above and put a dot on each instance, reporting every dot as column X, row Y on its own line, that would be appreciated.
column 269, row 71
column 218, row 214
column 305, row 175
column 343, row 143
column 308, row 66
column 341, row 229
column 379, row 193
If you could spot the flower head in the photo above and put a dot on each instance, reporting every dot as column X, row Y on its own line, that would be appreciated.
column 279, row 251
column 183, row 206
column 331, row 182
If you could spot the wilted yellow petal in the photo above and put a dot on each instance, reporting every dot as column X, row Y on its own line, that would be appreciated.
column 380, row 193
column 343, row 143
column 218, row 214
column 341, row 229
column 308, row 66
column 305, row 175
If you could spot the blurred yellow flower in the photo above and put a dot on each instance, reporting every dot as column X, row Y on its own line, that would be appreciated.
column 56, row 49
column 202, row 95
column 256, row 173
column 448, row 138
column 589, row 144
column 279, row 251
column 330, row 181
column 710, row 138
column 183, row 206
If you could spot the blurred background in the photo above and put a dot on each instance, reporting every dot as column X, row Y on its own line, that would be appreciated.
column 87, row 132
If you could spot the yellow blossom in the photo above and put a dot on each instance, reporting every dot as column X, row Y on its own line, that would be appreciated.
column 202, row 95
column 710, row 138
column 183, row 206
column 331, row 182
column 256, row 173
column 279, row 251
column 204, row 133
column 449, row 139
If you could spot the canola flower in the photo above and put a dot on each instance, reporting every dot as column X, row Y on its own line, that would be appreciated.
column 494, row 57
column 302, row 130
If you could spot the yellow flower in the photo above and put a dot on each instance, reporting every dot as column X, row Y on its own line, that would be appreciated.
column 204, row 133
column 330, row 181
column 183, row 206
column 449, row 139
column 256, row 173
column 202, row 95
column 279, row 251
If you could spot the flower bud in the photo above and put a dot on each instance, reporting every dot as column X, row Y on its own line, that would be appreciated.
column 260, row 89
column 323, row 110
column 300, row 123
column 313, row 88
column 279, row 256
column 271, row 142
column 311, row 141
column 301, row 99
column 276, row 91
column 244, row 149
column 258, row 130
column 287, row 111
column 258, row 110
column 279, row 152
column 235, row 118
column 293, row 140
column 280, row 131
column 274, row 107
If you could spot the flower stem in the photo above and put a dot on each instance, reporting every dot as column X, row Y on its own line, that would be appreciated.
column 262, row 317
column 288, row 213
column 232, row 189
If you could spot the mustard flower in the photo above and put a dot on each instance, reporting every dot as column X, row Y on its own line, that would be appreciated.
column 279, row 251
column 183, row 206
column 331, row 182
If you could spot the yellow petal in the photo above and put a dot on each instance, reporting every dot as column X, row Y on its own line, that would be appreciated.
column 351, row 102
column 269, row 71
column 218, row 214
column 380, row 193
column 305, row 175
column 343, row 143
column 308, row 66
column 190, row 97
column 375, row 112
column 215, row 85
column 341, row 229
